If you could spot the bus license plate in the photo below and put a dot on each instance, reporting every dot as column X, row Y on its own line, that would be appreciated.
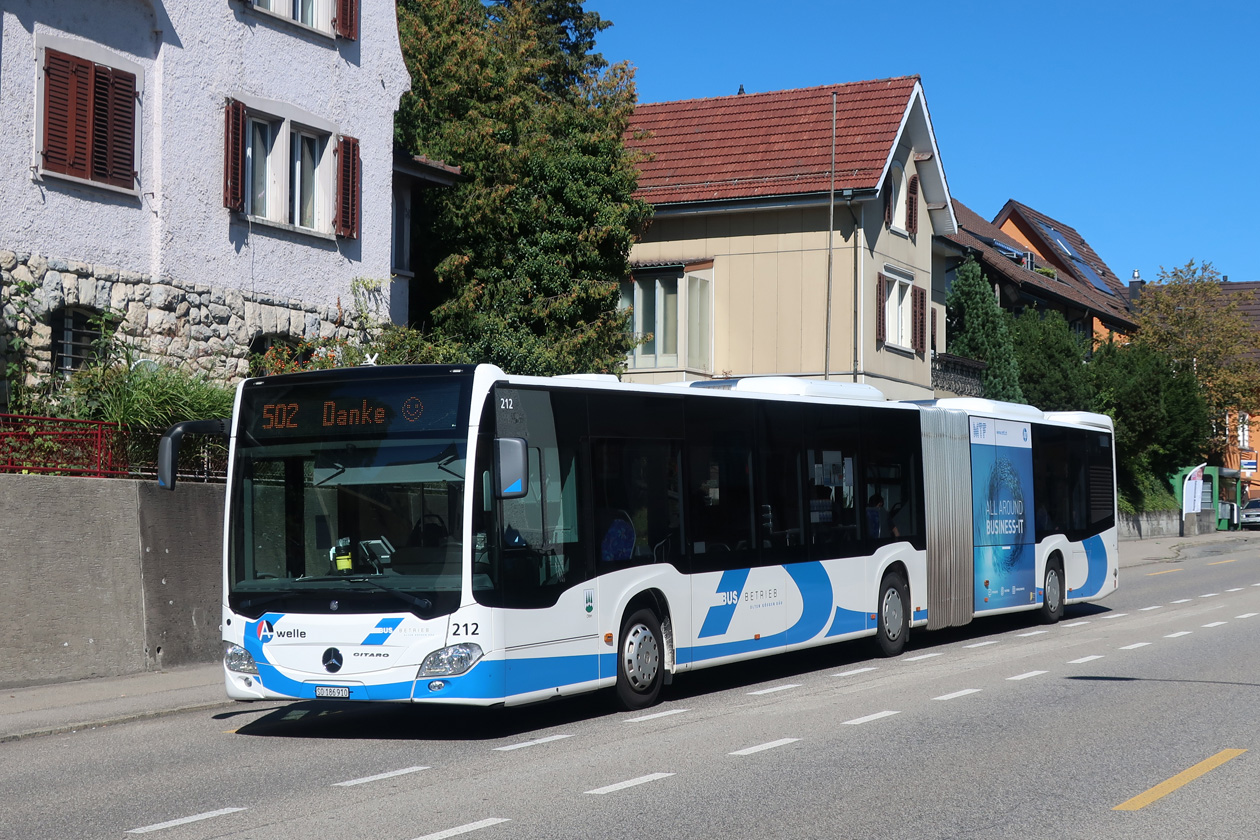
column 335, row 691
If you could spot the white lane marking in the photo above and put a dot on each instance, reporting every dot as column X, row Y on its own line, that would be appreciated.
column 391, row 774
column 464, row 829
column 524, row 744
column 958, row 694
column 1033, row 633
column 1085, row 659
column 776, row 688
column 1255, row 584
column 1075, row 624
column 1183, row 600
column 761, row 747
column 869, row 718
column 920, row 656
column 1029, row 674
column 1148, row 609
column 1235, row 589
column 1247, row 615
column 1178, row 634
column 1215, row 624
column 184, row 820
column 982, row 644
column 854, row 671
column 656, row 715
column 1136, row 646
column 1116, row 615
column 1210, row 595
column 642, row 780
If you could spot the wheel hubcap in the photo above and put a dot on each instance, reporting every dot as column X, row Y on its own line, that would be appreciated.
column 641, row 657
column 892, row 614
column 1053, row 593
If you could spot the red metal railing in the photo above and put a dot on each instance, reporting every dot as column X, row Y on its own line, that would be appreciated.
column 60, row 446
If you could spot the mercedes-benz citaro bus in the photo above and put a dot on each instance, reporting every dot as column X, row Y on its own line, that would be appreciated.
column 453, row 534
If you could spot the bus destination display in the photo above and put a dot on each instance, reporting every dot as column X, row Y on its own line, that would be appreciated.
column 344, row 410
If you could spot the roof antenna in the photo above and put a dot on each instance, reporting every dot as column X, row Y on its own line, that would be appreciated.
column 741, row 90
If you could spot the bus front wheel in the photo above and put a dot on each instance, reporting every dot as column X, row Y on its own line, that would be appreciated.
column 894, row 615
column 1052, row 601
column 640, row 661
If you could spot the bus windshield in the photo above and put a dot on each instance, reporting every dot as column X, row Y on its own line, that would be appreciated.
column 357, row 516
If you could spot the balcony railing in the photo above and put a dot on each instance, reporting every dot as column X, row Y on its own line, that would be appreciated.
column 957, row 375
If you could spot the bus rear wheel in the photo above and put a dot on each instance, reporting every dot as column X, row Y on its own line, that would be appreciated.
column 1052, row 600
column 893, row 619
column 640, row 661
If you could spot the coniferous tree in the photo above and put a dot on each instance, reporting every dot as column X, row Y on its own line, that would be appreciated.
column 978, row 330
column 1051, row 361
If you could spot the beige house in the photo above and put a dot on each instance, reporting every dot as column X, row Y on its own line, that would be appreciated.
column 793, row 235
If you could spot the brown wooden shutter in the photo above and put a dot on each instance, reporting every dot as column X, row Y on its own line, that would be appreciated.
column 67, row 114
column 912, row 205
column 347, row 210
column 113, row 126
column 346, row 23
column 234, row 156
column 918, row 319
column 881, row 308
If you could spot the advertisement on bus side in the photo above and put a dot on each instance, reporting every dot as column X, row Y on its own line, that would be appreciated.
column 1003, row 505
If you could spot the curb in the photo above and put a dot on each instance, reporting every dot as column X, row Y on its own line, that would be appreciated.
column 113, row 721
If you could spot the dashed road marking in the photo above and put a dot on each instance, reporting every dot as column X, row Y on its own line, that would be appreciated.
column 184, row 820
column 1135, row 646
column 1116, row 615
column 869, row 718
column 629, row 783
column 776, row 688
column 1148, row 609
column 958, row 694
column 464, row 829
column 532, row 743
column 1181, row 779
column 1028, row 675
column 391, row 774
column 1033, row 633
column 1215, row 624
column 1178, row 634
column 1075, row 624
column 1183, row 600
column 763, row 747
column 656, row 715
column 981, row 644
column 919, row 657
column 1247, row 615
column 854, row 671
column 1085, row 659
column 1210, row 595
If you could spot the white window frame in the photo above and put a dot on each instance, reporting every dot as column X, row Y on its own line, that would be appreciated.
column 689, row 336
column 287, row 125
column 97, row 54
column 897, row 183
column 290, row 11
column 321, row 207
column 898, row 306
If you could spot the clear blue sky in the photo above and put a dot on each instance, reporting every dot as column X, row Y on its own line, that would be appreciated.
column 1138, row 124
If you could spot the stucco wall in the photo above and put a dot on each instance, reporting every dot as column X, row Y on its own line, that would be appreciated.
column 193, row 56
column 106, row 577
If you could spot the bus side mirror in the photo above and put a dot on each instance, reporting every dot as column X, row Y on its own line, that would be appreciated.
column 168, row 446
column 511, row 468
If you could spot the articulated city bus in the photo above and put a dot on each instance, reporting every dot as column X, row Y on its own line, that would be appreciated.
column 453, row 534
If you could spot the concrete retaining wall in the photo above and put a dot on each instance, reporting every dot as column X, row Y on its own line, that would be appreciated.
column 104, row 577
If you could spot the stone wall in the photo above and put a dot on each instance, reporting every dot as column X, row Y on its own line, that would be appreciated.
column 195, row 326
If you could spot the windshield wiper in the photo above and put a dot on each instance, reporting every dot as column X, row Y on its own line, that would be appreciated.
column 419, row 603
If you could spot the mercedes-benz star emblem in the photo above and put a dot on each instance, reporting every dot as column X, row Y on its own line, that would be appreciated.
column 332, row 660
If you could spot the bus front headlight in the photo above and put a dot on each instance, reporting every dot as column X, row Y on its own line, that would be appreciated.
column 236, row 658
column 450, row 661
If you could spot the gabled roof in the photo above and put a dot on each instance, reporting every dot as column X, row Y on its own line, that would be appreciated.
column 779, row 144
column 1061, row 246
column 995, row 248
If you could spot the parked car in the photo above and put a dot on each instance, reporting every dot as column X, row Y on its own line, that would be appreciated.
column 1249, row 516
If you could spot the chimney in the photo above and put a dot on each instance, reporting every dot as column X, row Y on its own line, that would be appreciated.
column 1135, row 289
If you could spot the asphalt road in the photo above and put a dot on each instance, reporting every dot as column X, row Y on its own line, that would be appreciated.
column 1133, row 718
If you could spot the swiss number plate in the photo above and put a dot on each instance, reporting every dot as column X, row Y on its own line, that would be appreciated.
column 336, row 691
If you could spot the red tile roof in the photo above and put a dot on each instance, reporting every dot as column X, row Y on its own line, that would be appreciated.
column 1053, row 252
column 768, row 144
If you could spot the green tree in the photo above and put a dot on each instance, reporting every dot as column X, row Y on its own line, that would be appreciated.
column 1187, row 317
column 1051, row 361
column 978, row 330
column 1160, row 415
column 529, row 248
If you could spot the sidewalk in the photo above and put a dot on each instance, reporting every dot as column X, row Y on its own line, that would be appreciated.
column 67, row 707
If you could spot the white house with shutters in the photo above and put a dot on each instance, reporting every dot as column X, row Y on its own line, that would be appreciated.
column 218, row 173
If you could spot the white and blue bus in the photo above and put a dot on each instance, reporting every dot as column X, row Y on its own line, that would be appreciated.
column 453, row 534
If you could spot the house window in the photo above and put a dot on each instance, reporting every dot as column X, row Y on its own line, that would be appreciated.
column 278, row 169
column 901, row 317
column 1244, row 430
column 895, row 208
column 75, row 333
column 673, row 312
column 88, row 123
column 332, row 17
column 400, row 250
